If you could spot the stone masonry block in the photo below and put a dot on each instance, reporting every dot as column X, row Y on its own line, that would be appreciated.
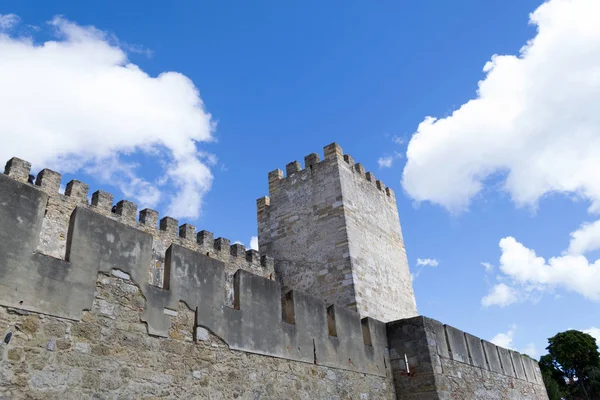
column 506, row 360
column 126, row 209
column 292, row 167
column 311, row 160
column 476, row 351
column 18, row 169
column 102, row 200
column 237, row 250
column 440, row 337
column 149, row 217
column 48, row 180
column 205, row 238
column 528, row 366
column 252, row 256
column 333, row 150
column 187, row 231
column 359, row 168
column 170, row 225
column 518, row 364
column 370, row 177
column 493, row 359
column 77, row 190
column 458, row 345
column 221, row 244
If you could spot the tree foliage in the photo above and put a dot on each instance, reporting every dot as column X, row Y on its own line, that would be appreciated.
column 571, row 369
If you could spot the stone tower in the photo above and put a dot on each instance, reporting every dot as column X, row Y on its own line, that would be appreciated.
column 334, row 232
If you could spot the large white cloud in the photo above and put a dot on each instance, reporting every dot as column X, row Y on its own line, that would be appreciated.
column 534, row 123
column 77, row 102
column 595, row 332
column 505, row 339
column 500, row 295
column 585, row 239
column 531, row 275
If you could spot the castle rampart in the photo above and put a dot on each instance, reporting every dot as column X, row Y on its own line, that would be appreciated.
column 81, row 317
column 431, row 360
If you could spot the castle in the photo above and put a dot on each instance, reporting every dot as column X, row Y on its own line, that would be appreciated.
column 98, row 301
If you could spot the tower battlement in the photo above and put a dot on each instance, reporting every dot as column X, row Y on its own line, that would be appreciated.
column 313, row 164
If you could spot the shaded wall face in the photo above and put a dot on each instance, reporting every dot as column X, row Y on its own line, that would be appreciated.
column 430, row 360
column 303, row 228
column 380, row 270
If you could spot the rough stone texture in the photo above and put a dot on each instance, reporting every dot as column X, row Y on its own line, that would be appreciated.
column 462, row 381
column 336, row 235
column 109, row 355
column 431, row 375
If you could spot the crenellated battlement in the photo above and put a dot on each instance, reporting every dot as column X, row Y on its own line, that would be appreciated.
column 166, row 229
column 313, row 164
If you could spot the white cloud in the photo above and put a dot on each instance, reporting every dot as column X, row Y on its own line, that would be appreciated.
column 534, row 123
column 531, row 350
column 427, row 262
column 77, row 103
column 595, row 332
column 8, row 21
column 254, row 243
column 488, row 267
column 530, row 274
column 385, row 162
column 500, row 295
column 585, row 239
column 505, row 339
column 398, row 140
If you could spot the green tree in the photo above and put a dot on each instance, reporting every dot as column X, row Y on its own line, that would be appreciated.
column 571, row 370
column 556, row 386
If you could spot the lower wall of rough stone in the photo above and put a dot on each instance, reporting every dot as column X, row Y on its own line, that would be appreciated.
column 463, row 381
column 109, row 355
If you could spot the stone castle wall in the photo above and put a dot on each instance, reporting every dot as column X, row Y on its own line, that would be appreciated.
column 334, row 232
column 90, row 322
column 86, row 312
column 109, row 355
column 430, row 360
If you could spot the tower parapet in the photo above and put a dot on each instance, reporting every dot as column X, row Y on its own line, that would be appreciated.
column 333, row 230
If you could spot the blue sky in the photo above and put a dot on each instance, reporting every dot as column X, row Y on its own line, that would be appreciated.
column 259, row 84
